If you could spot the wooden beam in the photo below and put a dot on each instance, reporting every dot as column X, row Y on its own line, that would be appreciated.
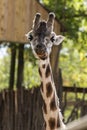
column 16, row 19
column 80, row 124
column 71, row 103
column 75, row 89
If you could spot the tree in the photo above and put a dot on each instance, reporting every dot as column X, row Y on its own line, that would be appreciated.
column 73, row 15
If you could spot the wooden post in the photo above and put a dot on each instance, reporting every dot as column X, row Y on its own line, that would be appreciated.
column 20, row 70
column 12, row 66
column 56, row 71
column 80, row 124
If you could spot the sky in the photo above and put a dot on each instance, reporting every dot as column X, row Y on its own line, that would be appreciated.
column 3, row 52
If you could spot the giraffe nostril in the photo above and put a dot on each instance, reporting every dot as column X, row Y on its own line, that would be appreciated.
column 39, row 46
column 41, row 50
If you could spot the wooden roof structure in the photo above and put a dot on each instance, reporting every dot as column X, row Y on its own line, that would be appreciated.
column 16, row 18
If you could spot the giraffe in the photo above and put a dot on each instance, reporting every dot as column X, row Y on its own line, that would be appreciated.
column 41, row 39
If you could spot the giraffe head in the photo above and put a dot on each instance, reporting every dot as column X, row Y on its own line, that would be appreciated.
column 42, row 37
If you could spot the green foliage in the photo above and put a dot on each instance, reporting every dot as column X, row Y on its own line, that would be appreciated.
column 73, row 63
column 72, row 14
column 4, row 71
column 73, row 57
column 31, row 76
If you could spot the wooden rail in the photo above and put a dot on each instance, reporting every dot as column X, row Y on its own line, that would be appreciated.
column 75, row 89
column 21, row 110
column 80, row 124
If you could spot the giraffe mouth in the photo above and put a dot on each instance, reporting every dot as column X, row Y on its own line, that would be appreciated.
column 43, row 56
column 41, row 51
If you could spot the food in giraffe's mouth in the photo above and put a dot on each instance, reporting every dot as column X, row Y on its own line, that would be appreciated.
column 42, row 55
column 41, row 52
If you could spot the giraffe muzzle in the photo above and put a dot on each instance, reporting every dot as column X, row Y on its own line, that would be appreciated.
column 41, row 51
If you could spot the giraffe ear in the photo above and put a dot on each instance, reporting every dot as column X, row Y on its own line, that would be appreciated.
column 29, row 35
column 58, row 39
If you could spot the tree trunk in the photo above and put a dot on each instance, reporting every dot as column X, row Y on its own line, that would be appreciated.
column 55, row 62
column 56, row 71
column 12, row 67
column 20, row 70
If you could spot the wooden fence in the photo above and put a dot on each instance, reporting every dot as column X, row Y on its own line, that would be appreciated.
column 77, row 105
column 21, row 110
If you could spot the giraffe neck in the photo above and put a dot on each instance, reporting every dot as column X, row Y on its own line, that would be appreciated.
column 51, row 111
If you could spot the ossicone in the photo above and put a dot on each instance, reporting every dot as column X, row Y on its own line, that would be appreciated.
column 36, row 21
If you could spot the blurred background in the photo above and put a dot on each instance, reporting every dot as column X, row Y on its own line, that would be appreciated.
column 19, row 68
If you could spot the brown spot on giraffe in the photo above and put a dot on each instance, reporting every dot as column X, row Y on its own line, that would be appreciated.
column 41, row 86
column 53, row 105
column 43, row 66
column 48, row 72
column 49, row 89
column 52, row 123
column 45, row 125
column 44, row 107
column 40, row 72
column 58, row 122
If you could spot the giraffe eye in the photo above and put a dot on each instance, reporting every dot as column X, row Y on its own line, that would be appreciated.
column 30, row 37
column 52, row 39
